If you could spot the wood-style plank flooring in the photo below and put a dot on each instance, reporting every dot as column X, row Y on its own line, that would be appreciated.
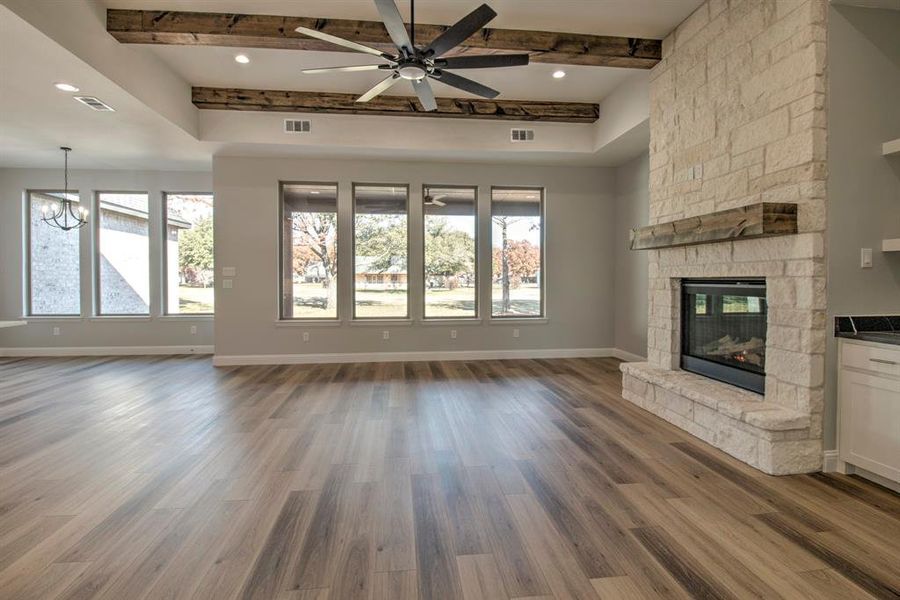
column 138, row 478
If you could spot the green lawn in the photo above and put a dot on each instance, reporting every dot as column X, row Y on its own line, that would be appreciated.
column 392, row 303
column 195, row 299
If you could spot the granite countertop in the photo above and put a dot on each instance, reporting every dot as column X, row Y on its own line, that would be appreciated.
column 881, row 329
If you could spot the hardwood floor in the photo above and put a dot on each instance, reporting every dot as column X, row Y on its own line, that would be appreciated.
column 137, row 478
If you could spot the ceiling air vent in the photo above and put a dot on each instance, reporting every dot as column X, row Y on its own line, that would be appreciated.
column 95, row 103
column 296, row 126
column 521, row 135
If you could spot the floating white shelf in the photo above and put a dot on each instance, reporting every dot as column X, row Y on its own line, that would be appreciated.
column 891, row 147
column 12, row 324
column 890, row 245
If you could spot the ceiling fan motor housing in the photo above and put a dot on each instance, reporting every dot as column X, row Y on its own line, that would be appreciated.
column 413, row 69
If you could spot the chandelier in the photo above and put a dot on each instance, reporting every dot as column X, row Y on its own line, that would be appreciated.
column 63, row 214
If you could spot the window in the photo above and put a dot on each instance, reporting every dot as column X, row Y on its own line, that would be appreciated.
column 450, row 282
column 308, row 251
column 53, row 261
column 123, row 241
column 517, row 252
column 189, row 269
column 380, row 246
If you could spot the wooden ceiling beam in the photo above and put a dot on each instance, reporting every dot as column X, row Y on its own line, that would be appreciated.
column 459, row 108
column 266, row 31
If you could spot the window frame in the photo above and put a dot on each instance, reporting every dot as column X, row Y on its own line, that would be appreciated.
column 28, row 311
column 353, row 187
column 542, row 315
column 97, row 309
column 279, row 308
column 477, row 315
column 164, row 281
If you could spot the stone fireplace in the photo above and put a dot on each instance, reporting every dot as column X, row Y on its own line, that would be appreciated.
column 737, row 118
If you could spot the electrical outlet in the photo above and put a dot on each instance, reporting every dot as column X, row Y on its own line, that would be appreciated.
column 56, row 331
column 305, row 336
column 515, row 333
column 193, row 330
column 452, row 334
column 385, row 335
column 865, row 258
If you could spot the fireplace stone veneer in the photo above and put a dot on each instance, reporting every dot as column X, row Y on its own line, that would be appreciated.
column 740, row 93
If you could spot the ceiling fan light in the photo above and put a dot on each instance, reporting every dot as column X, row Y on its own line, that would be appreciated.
column 412, row 72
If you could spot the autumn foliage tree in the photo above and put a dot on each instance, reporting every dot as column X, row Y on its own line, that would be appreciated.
column 514, row 260
column 314, row 236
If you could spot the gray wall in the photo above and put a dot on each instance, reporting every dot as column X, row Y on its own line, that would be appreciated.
column 863, row 186
column 580, row 235
column 87, row 330
column 632, row 210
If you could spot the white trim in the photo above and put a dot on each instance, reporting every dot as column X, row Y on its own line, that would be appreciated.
column 232, row 360
column 830, row 461
column 106, row 350
column 628, row 356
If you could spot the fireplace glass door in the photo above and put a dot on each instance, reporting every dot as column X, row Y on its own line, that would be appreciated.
column 724, row 331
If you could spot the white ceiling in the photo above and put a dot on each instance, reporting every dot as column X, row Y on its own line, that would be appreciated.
column 280, row 70
column 632, row 18
column 35, row 119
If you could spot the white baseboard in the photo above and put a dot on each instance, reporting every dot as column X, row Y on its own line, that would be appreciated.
column 220, row 360
column 106, row 351
column 830, row 461
column 628, row 356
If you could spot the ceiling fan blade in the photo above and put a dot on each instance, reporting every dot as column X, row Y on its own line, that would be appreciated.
column 393, row 22
column 425, row 94
column 461, row 31
column 466, row 85
column 485, row 61
column 345, row 69
column 341, row 42
column 379, row 87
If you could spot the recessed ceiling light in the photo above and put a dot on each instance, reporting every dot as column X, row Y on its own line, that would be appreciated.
column 559, row 74
column 242, row 58
column 65, row 87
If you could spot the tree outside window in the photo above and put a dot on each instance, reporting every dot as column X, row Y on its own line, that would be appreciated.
column 309, row 251
column 516, row 256
column 450, row 252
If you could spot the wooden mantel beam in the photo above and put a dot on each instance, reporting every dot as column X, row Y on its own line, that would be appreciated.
column 266, row 31
column 460, row 108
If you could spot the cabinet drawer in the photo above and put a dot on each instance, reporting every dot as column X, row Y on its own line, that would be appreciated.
column 871, row 358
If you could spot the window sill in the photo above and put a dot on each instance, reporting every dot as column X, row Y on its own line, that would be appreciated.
column 186, row 317
column 519, row 320
column 45, row 318
column 111, row 318
column 381, row 322
column 308, row 323
column 448, row 322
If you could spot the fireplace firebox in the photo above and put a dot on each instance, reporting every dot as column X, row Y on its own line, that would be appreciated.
column 723, row 330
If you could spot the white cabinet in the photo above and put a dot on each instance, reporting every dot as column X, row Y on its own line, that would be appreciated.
column 869, row 407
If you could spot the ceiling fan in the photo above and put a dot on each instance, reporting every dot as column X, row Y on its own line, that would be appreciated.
column 435, row 201
column 418, row 65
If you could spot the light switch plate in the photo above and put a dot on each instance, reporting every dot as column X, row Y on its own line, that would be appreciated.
column 227, row 284
column 865, row 258
column 229, row 271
